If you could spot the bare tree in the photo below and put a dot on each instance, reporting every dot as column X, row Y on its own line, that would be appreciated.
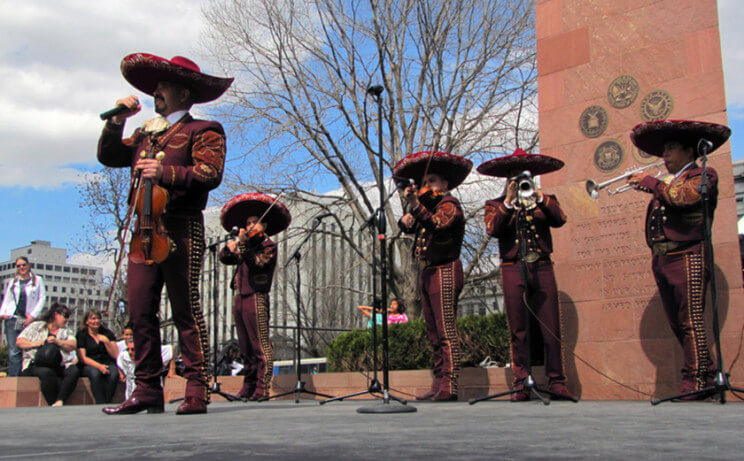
column 104, row 196
column 457, row 76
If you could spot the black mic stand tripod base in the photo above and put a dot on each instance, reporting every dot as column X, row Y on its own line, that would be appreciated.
column 300, row 385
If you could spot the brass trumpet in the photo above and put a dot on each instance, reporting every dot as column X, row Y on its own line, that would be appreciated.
column 592, row 188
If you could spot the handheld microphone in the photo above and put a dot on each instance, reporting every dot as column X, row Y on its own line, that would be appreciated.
column 704, row 146
column 402, row 183
column 234, row 231
column 113, row 112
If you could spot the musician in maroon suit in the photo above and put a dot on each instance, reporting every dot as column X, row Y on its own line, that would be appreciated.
column 192, row 165
column 437, row 219
column 521, row 221
column 258, row 216
column 675, row 229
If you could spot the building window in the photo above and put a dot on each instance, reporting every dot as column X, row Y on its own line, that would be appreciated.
column 54, row 289
column 66, row 269
column 48, row 267
column 58, row 268
column 75, row 270
column 64, row 289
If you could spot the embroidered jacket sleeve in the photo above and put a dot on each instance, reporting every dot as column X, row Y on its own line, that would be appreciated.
column 208, row 158
column 552, row 210
column 445, row 215
column 681, row 192
column 498, row 217
column 113, row 151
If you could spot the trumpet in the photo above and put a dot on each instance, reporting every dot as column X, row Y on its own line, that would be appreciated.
column 592, row 188
column 525, row 184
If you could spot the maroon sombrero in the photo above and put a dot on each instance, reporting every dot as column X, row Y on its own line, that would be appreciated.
column 509, row 166
column 650, row 137
column 451, row 167
column 241, row 207
column 144, row 71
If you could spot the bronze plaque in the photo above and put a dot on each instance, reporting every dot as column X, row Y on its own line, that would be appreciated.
column 623, row 91
column 593, row 121
column 657, row 105
column 608, row 156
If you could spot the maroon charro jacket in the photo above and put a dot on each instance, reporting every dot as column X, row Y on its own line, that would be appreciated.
column 501, row 223
column 439, row 234
column 193, row 164
column 675, row 212
column 256, row 263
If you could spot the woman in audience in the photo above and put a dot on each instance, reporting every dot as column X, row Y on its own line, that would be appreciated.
column 55, row 367
column 97, row 353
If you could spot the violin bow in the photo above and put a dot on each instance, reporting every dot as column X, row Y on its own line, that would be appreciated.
column 276, row 199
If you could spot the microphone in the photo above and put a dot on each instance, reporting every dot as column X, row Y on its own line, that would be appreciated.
column 113, row 112
column 234, row 231
column 704, row 146
column 402, row 183
column 375, row 90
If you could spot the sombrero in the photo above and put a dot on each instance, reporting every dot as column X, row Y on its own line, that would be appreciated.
column 650, row 137
column 241, row 207
column 144, row 71
column 509, row 166
column 451, row 167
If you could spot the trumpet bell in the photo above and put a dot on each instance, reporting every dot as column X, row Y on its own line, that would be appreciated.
column 592, row 188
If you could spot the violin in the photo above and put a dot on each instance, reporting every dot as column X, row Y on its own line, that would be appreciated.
column 150, row 242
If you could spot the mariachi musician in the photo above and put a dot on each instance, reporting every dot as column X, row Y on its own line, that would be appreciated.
column 257, row 216
column 675, row 228
column 437, row 219
column 190, row 161
column 521, row 220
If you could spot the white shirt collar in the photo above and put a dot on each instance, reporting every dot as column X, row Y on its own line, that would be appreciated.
column 684, row 168
column 176, row 116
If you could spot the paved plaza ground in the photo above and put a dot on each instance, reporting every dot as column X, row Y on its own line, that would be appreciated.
column 453, row 430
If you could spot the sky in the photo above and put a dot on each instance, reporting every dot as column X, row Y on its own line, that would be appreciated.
column 59, row 68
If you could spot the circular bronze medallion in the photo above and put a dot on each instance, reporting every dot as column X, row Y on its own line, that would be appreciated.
column 593, row 121
column 657, row 105
column 642, row 157
column 608, row 156
column 623, row 91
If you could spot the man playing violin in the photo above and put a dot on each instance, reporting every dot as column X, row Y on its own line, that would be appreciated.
column 437, row 220
column 675, row 229
column 521, row 222
column 254, row 254
column 191, row 164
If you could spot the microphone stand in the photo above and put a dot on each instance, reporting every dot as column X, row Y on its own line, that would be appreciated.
column 381, row 304
column 300, row 384
column 215, row 388
column 721, row 383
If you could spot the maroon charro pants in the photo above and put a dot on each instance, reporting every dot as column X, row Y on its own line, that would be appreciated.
column 440, row 287
column 251, row 314
column 544, row 303
column 180, row 273
column 682, row 280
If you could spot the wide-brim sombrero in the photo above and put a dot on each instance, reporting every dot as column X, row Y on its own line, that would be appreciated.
column 241, row 207
column 509, row 166
column 650, row 137
column 144, row 71
column 451, row 167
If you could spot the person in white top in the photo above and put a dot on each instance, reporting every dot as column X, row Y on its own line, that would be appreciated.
column 126, row 364
column 23, row 301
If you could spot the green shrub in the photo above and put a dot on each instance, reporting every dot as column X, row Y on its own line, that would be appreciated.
column 482, row 336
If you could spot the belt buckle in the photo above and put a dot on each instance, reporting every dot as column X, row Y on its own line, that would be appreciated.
column 532, row 256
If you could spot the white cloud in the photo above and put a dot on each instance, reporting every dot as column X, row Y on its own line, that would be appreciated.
column 59, row 68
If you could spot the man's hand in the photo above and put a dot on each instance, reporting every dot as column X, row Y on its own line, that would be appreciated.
column 411, row 194
column 636, row 178
column 232, row 245
column 131, row 103
column 408, row 220
column 151, row 168
column 511, row 193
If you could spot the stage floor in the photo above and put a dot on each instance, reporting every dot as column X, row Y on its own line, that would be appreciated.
column 453, row 430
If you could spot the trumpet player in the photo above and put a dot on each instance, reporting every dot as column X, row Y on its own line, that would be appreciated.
column 521, row 220
column 675, row 232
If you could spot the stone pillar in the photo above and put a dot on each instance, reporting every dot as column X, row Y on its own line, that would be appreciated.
column 603, row 67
